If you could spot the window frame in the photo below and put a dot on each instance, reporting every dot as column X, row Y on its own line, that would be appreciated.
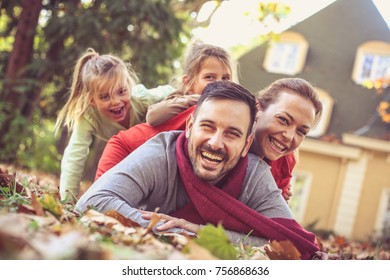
column 300, row 197
column 288, row 40
column 376, row 49
column 327, row 109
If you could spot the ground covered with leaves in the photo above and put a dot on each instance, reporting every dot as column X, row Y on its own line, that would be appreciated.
column 35, row 224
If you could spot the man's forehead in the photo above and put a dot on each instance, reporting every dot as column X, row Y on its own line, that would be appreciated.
column 216, row 101
column 217, row 109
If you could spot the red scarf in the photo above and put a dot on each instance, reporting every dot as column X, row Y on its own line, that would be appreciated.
column 210, row 204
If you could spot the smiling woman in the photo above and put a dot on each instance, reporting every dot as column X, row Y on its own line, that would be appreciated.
column 288, row 109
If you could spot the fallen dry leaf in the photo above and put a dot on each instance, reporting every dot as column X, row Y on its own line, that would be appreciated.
column 94, row 216
column 153, row 221
column 36, row 205
column 125, row 221
column 282, row 250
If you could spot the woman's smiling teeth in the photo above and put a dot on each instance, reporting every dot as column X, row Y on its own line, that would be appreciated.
column 212, row 157
column 275, row 143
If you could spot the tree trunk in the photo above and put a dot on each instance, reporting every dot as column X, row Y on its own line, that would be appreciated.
column 24, row 38
column 20, row 57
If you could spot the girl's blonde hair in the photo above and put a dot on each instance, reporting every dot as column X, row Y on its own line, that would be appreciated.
column 197, row 54
column 93, row 73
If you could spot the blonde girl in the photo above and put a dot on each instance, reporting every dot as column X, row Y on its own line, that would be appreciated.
column 203, row 64
column 104, row 99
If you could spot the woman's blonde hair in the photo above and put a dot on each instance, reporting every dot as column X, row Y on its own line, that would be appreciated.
column 197, row 54
column 93, row 73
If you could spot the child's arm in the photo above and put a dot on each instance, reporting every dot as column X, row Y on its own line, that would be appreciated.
column 149, row 96
column 142, row 98
column 170, row 107
column 74, row 159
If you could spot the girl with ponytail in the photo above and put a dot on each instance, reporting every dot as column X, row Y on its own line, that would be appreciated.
column 103, row 100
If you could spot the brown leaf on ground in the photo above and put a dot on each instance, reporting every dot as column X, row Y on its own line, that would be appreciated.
column 282, row 250
column 179, row 240
column 153, row 221
column 98, row 218
column 340, row 241
column 26, row 209
column 122, row 219
column 106, row 224
column 36, row 205
column 10, row 182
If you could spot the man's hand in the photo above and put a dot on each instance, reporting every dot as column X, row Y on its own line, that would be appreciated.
column 171, row 222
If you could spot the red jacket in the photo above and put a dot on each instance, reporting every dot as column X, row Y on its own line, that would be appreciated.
column 282, row 169
column 126, row 141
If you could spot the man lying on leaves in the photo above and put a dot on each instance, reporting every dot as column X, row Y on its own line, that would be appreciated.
column 204, row 175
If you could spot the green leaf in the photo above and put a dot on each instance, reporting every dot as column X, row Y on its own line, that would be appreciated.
column 217, row 242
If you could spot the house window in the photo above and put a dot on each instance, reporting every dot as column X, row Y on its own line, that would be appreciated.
column 372, row 62
column 327, row 108
column 382, row 225
column 300, row 187
column 286, row 55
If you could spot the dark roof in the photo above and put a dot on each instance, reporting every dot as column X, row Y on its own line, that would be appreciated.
column 333, row 34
